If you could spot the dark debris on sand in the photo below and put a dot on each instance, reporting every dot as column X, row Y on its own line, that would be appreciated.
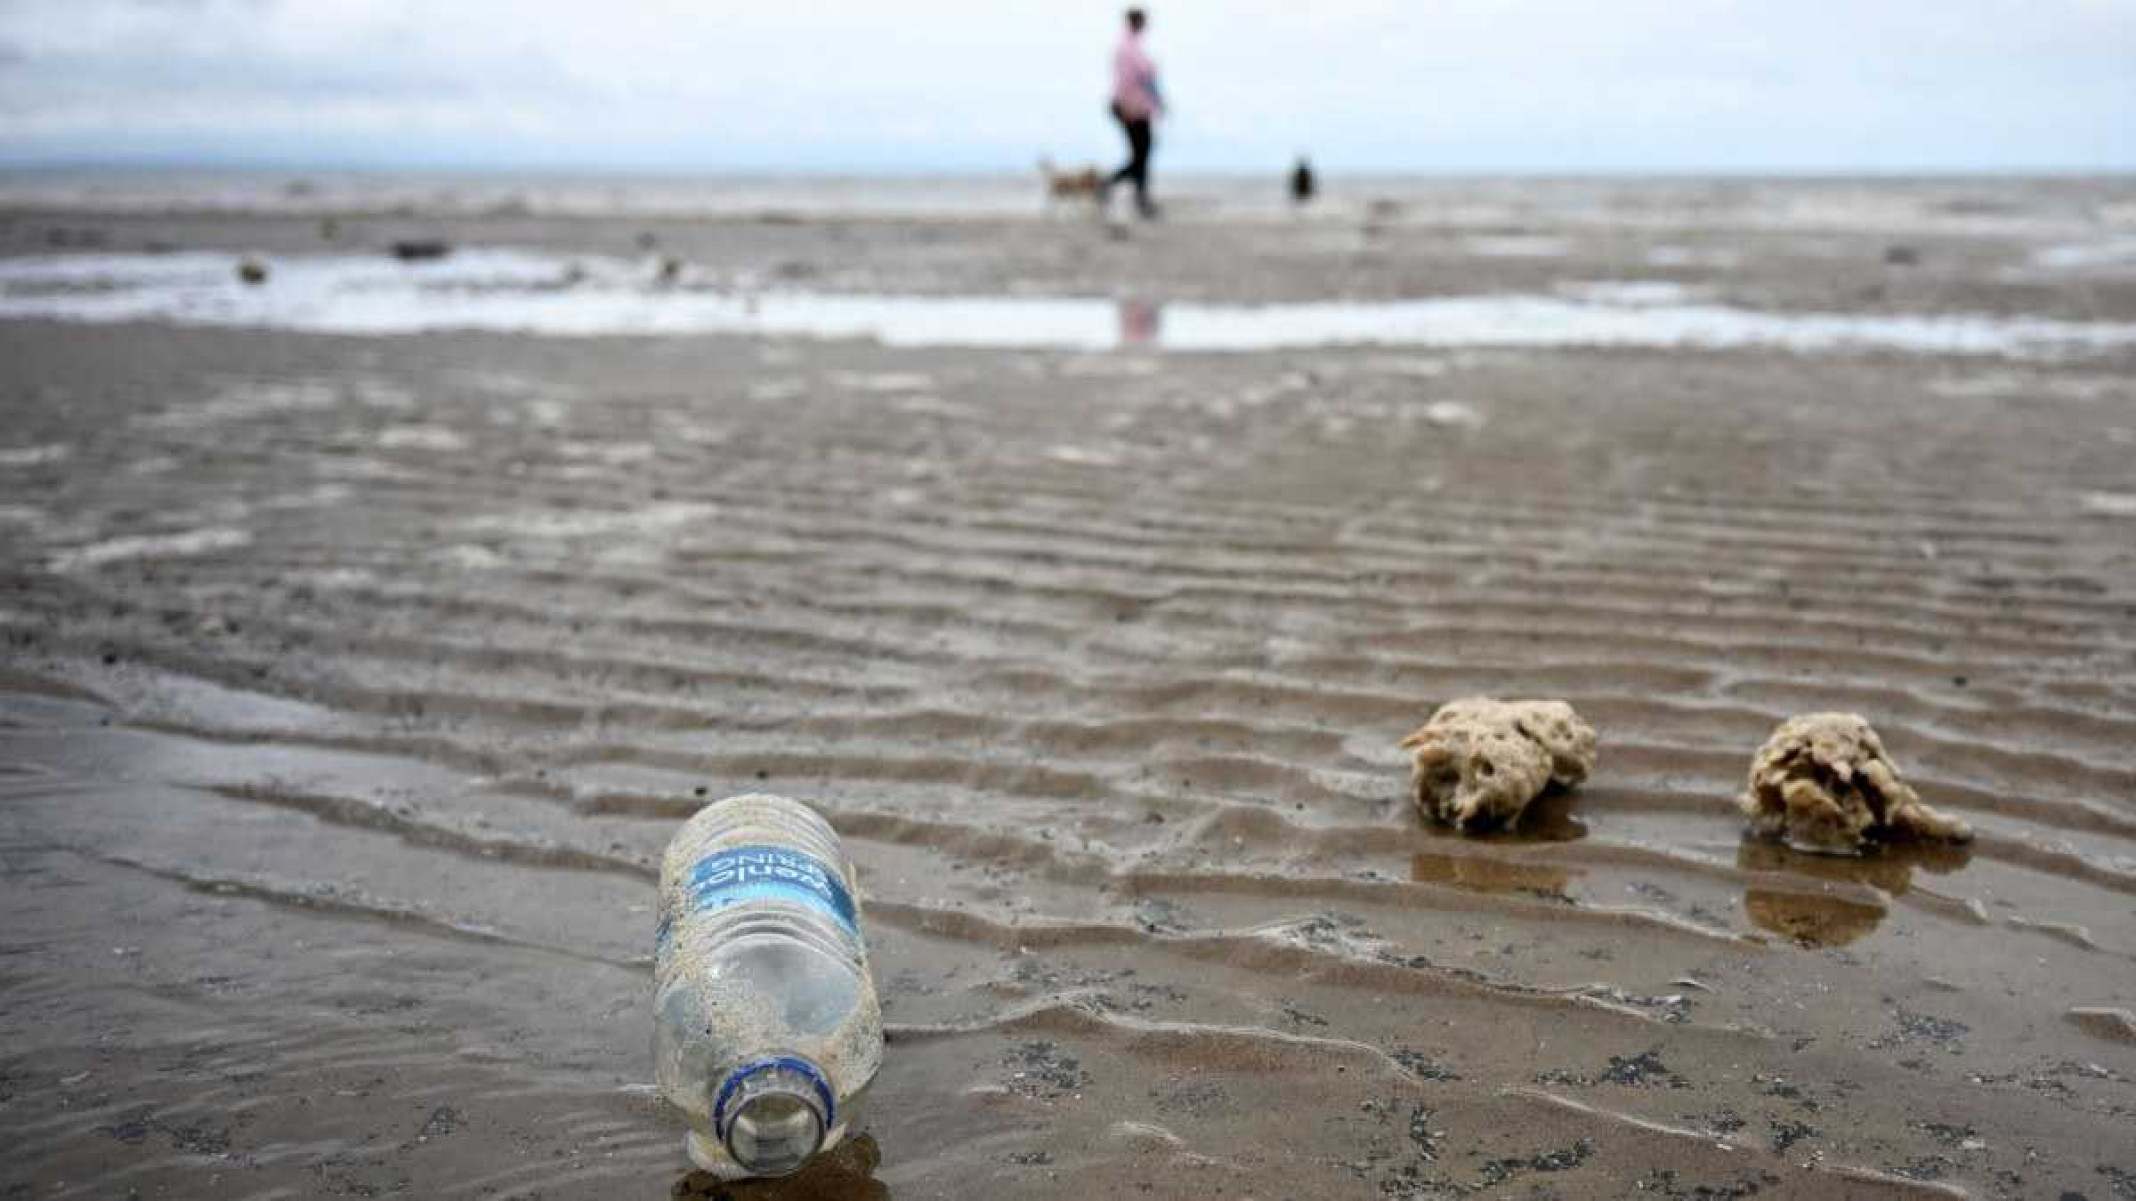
column 1045, row 1070
column 1663, row 1182
column 1422, row 1066
column 1643, row 1070
column 1414, row 1176
column 1563, row 1159
column 1787, row 1134
column 1943, row 1033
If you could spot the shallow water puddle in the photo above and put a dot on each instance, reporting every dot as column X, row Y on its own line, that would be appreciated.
column 511, row 291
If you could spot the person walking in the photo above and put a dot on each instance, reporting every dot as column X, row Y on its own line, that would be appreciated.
column 1136, row 103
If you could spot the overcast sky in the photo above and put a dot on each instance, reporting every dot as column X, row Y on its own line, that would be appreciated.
column 872, row 85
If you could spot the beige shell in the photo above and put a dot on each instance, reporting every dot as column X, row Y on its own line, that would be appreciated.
column 1479, row 761
column 1823, row 783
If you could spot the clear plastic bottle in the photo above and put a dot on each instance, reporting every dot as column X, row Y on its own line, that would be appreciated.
column 766, row 1027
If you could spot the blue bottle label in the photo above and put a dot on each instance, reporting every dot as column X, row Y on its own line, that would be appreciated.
column 738, row 875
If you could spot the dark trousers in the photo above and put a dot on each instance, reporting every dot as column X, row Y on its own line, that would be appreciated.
column 1138, row 155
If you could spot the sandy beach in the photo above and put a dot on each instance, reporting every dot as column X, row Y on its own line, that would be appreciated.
column 351, row 683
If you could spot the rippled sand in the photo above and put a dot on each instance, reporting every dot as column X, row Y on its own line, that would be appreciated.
column 350, row 688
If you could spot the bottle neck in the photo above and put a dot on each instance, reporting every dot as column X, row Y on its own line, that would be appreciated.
column 773, row 1114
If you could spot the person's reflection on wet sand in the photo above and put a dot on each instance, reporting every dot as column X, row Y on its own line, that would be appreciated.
column 1821, row 915
column 1140, row 322
column 844, row 1173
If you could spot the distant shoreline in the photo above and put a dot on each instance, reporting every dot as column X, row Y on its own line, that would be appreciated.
column 2060, row 206
column 1530, row 174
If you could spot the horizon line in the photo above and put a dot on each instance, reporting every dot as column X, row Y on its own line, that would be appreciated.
column 158, row 164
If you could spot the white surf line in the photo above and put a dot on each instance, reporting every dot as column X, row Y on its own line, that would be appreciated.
column 521, row 292
column 150, row 546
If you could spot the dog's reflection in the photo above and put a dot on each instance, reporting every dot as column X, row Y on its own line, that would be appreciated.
column 844, row 1173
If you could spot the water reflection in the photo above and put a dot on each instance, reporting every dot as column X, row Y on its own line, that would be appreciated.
column 521, row 291
column 1548, row 818
column 1484, row 873
column 1819, row 915
column 844, row 1173
column 1141, row 322
column 1812, row 919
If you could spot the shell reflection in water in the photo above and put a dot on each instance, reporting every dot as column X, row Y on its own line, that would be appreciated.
column 1831, row 901
column 1485, row 873
column 1488, row 862
column 1548, row 818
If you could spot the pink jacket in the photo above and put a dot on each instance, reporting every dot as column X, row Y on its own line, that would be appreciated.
column 1135, row 81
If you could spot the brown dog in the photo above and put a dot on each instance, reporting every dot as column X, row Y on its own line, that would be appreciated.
column 1085, row 184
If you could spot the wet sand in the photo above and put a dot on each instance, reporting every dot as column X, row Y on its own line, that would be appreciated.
column 351, row 686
